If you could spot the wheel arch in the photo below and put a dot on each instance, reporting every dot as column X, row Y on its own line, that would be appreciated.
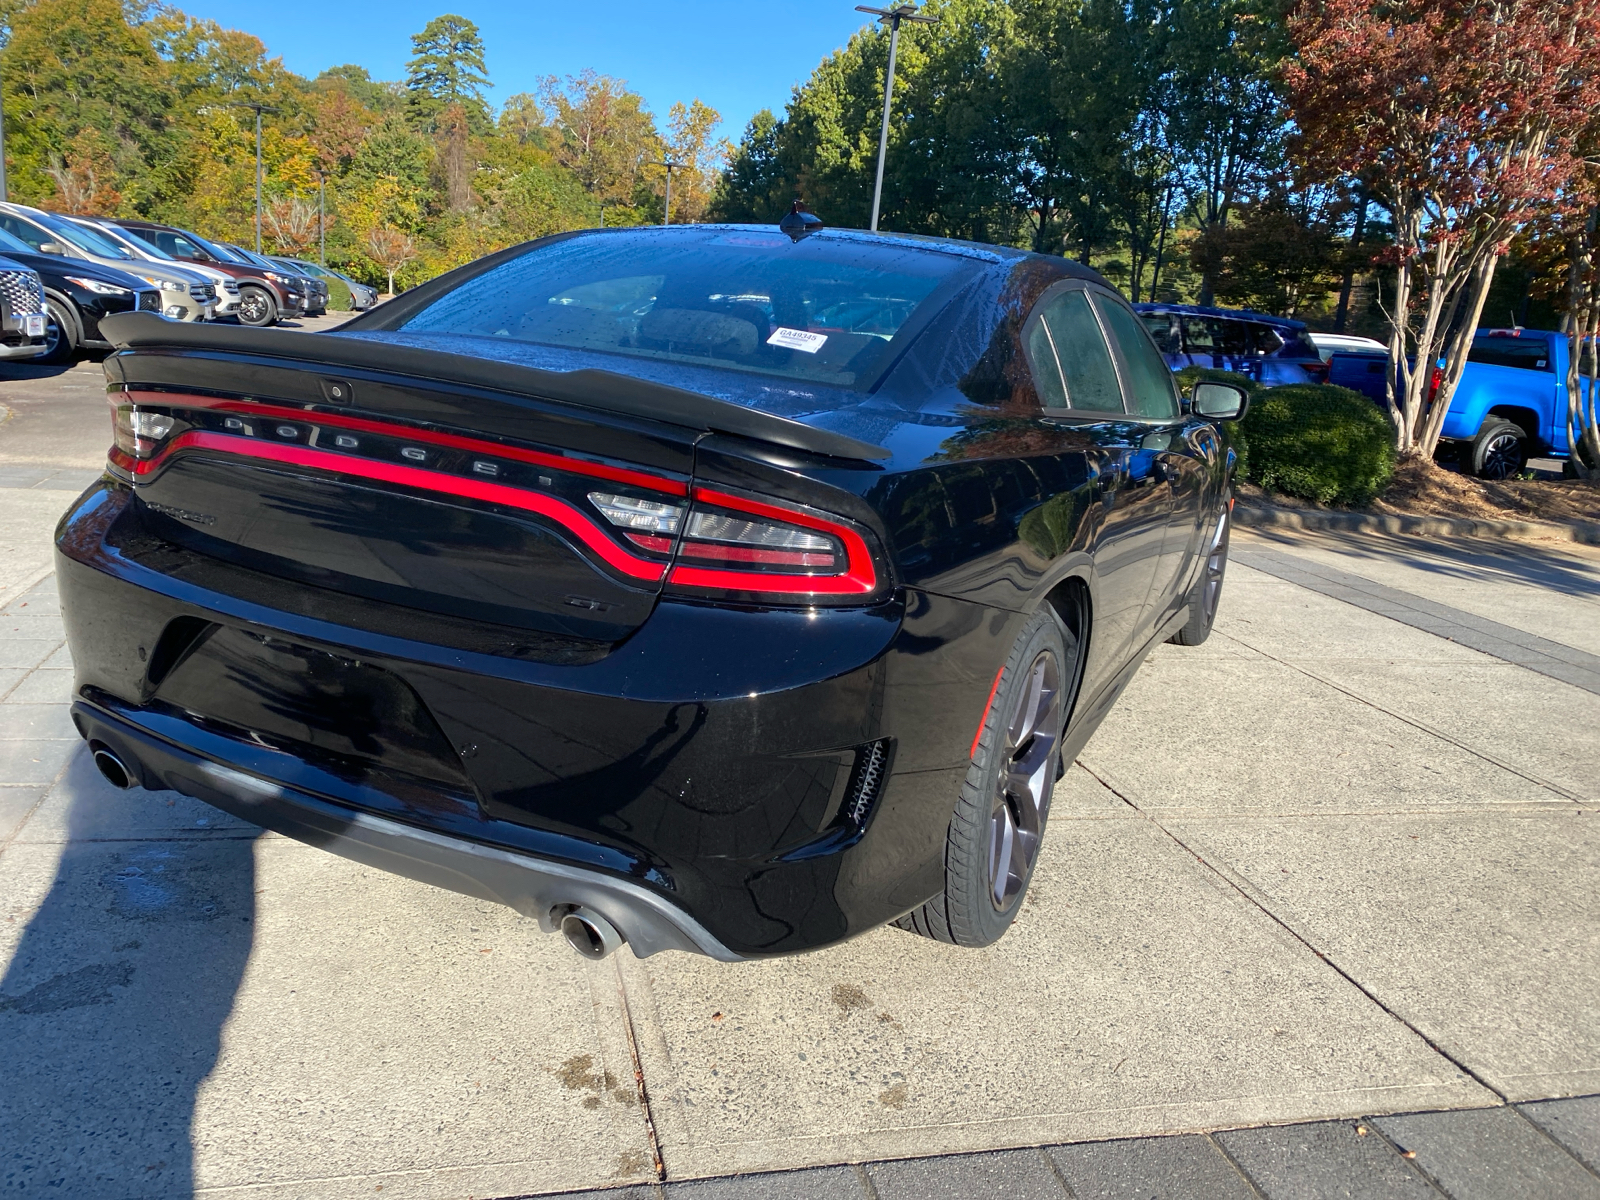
column 71, row 307
column 1523, row 417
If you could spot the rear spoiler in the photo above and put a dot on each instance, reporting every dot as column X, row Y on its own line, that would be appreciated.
column 608, row 391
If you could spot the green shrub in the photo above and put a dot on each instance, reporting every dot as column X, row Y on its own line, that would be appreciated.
column 339, row 296
column 1317, row 442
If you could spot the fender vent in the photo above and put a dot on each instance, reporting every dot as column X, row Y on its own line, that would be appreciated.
column 866, row 781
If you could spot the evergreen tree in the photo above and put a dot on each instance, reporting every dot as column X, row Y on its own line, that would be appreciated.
column 447, row 67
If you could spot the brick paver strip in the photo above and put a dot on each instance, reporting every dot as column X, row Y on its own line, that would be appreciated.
column 1505, row 642
column 1463, row 1155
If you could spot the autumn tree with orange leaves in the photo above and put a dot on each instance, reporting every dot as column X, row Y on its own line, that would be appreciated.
column 1461, row 116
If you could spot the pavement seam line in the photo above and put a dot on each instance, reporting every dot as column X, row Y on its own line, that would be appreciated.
column 44, row 795
column 17, row 591
column 1423, row 726
column 1238, row 1167
column 868, row 1188
column 1306, row 942
column 1545, row 1133
column 1050, row 1165
column 638, row 1077
column 1408, row 1158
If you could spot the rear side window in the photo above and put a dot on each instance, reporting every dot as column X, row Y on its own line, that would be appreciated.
column 1086, row 366
column 1530, row 354
column 1151, row 392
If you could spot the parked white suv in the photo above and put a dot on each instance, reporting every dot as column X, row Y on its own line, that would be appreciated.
column 226, row 287
column 185, row 295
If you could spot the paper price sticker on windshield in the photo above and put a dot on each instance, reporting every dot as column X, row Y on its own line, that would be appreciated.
column 797, row 339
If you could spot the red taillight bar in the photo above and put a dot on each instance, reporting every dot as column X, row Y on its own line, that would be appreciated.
column 545, row 505
column 859, row 579
column 432, row 437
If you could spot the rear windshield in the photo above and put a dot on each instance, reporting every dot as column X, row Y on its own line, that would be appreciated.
column 826, row 310
column 1530, row 354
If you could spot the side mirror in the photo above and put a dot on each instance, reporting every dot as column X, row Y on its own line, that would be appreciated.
column 1220, row 401
column 52, row 248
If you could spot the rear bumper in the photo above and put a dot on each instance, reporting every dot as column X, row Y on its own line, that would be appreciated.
column 691, row 784
column 534, row 887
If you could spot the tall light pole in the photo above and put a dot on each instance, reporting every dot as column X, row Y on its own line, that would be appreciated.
column 258, row 108
column 322, row 219
column 900, row 12
column 666, row 211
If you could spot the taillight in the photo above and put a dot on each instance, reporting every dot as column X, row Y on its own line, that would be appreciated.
column 737, row 545
column 138, row 432
column 649, row 524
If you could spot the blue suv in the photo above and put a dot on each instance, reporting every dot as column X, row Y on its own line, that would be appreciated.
column 1270, row 350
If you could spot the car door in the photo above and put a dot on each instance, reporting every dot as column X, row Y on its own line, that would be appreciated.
column 1134, row 498
column 1183, row 452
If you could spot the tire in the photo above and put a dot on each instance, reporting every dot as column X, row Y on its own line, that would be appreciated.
column 257, row 307
column 994, row 837
column 1207, row 591
column 60, row 337
column 1500, row 451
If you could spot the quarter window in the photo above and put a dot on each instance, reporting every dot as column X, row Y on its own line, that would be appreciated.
column 1086, row 367
column 1150, row 388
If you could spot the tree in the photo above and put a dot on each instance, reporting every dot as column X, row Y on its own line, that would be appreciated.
column 84, row 180
column 1221, row 105
column 602, row 133
column 292, row 224
column 691, row 143
column 1278, row 253
column 391, row 250
column 447, row 67
column 1463, row 115
column 754, row 187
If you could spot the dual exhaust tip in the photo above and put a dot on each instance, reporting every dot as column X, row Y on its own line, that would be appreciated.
column 586, row 931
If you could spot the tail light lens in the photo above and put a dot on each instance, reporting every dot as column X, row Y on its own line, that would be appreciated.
column 735, row 545
column 138, row 432
column 745, row 548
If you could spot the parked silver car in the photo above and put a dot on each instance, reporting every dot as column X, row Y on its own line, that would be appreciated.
column 185, row 295
column 225, row 286
column 362, row 297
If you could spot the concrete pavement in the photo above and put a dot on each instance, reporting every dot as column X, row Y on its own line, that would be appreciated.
column 1331, row 865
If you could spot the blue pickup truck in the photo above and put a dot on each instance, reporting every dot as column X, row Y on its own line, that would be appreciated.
column 1510, row 406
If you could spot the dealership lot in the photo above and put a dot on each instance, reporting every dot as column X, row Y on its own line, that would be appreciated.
column 1342, row 861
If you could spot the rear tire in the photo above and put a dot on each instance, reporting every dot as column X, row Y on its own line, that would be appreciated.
column 1207, row 591
column 257, row 307
column 60, row 336
column 993, row 842
column 1500, row 451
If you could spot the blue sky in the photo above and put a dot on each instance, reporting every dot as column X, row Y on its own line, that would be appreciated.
column 737, row 57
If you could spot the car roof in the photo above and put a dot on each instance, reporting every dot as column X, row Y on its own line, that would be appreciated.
column 1236, row 314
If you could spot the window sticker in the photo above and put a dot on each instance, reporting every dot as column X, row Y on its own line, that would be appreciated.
column 797, row 339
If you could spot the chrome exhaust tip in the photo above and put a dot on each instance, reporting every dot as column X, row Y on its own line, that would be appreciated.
column 113, row 768
column 590, row 934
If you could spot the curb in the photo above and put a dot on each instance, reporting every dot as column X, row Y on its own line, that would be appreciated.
column 1587, row 533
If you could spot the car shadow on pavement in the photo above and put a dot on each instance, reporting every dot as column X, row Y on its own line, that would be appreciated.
column 112, row 1007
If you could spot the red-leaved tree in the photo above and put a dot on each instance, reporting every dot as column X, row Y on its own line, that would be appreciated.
column 1461, row 116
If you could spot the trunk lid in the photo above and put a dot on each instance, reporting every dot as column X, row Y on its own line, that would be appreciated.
column 433, row 494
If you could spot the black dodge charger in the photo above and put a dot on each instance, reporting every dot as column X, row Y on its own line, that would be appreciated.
column 723, row 589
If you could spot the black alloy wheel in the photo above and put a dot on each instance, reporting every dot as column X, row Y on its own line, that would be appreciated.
column 995, row 834
column 257, row 307
column 1500, row 451
column 1021, row 798
column 60, row 336
column 1206, row 594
